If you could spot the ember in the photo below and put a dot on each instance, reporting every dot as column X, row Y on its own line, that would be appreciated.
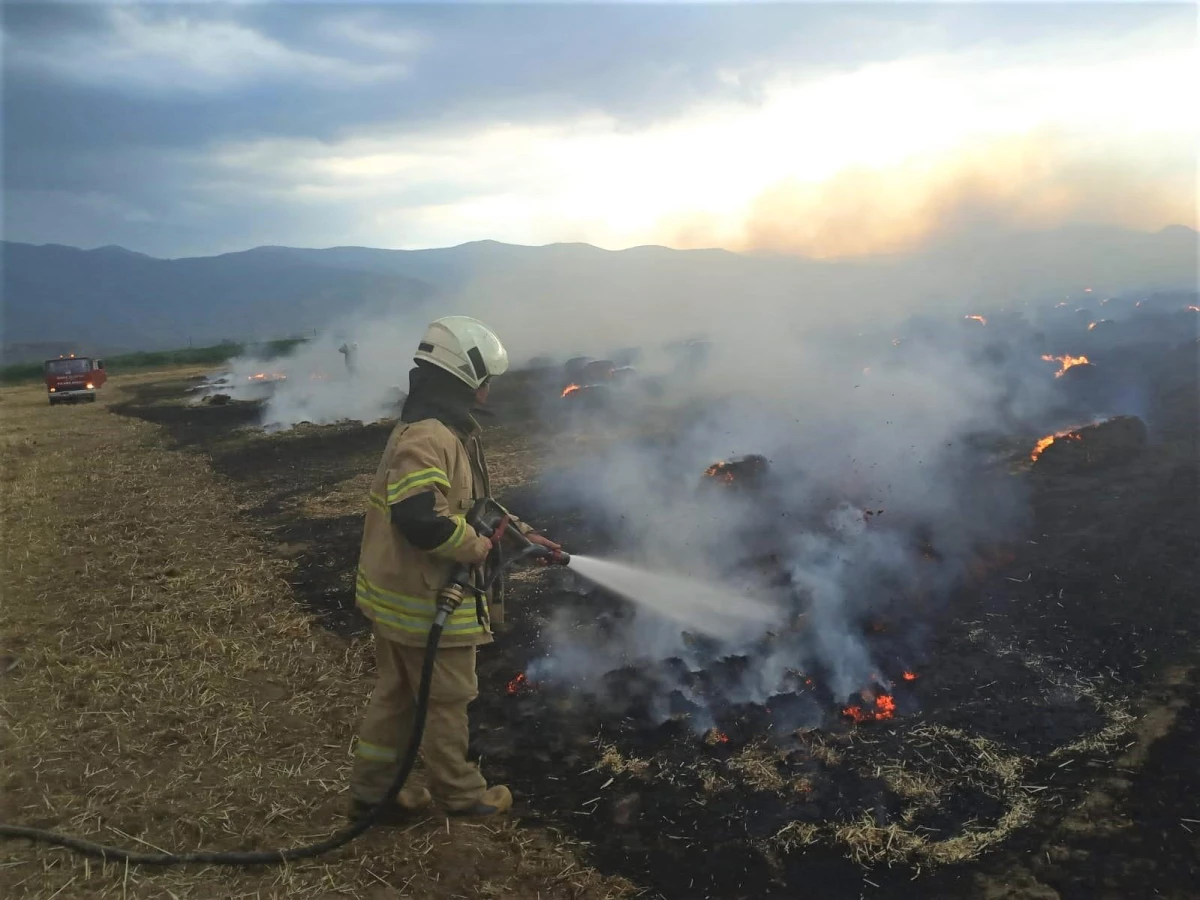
column 570, row 389
column 519, row 684
column 747, row 469
column 980, row 319
column 713, row 737
column 1065, row 362
column 882, row 706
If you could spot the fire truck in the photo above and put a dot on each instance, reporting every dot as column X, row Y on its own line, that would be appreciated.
column 73, row 378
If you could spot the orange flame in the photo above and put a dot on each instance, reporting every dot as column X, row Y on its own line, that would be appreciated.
column 570, row 389
column 980, row 319
column 720, row 471
column 1067, row 361
column 1071, row 434
column 882, row 706
column 714, row 736
column 519, row 683
column 1091, row 325
column 910, row 676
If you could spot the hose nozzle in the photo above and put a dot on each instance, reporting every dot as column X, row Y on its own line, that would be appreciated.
column 552, row 557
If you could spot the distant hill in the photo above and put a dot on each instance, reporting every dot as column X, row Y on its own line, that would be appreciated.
column 111, row 296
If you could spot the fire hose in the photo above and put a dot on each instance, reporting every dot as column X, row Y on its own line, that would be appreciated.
column 489, row 519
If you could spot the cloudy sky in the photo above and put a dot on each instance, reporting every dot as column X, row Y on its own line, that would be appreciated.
column 829, row 129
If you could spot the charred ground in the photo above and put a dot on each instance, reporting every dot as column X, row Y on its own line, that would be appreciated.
column 1047, row 744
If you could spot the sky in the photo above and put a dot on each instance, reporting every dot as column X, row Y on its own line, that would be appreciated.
column 829, row 130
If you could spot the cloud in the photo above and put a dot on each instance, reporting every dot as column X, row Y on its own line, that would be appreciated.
column 337, row 118
column 173, row 51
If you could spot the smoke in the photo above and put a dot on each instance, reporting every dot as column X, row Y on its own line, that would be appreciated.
column 887, row 416
column 1033, row 182
column 872, row 464
column 320, row 384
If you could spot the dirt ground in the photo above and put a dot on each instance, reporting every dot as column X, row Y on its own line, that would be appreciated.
column 1047, row 750
column 161, row 688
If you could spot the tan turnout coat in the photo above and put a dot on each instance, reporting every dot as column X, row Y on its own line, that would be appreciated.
column 398, row 584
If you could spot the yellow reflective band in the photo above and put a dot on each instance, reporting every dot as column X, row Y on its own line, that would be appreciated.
column 418, row 479
column 379, row 502
column 411, row 614
column 455, row 540
column 374, row 752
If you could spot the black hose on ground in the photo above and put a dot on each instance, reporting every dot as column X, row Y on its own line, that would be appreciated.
column 264, row 857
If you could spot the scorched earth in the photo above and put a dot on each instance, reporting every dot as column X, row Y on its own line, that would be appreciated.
column 1033, row 734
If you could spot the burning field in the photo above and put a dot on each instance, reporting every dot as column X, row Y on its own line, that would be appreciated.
column 942, row 709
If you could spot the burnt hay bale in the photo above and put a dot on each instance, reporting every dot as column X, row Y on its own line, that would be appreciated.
column 1110, row 443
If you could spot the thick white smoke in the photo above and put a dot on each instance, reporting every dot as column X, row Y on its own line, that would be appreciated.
column 861, row 403
column 320, row 384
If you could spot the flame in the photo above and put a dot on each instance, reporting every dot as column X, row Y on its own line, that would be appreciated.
column 720, row 471
column 1067, row 362
column 910, row 676
column 1191, row 308
column 1091, row 325
column 570, row 389
column 519, row 683
column 263, row 376
column 714, row 736
column 980, row 319
column 876, row 709
column 1139, row 303
column 1071, row 434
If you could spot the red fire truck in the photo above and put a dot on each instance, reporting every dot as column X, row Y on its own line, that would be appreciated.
column 73, row 378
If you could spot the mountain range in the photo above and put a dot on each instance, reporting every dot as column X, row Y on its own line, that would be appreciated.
column 112, row 298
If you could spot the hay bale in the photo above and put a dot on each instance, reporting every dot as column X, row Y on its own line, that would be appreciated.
column 1113, row 442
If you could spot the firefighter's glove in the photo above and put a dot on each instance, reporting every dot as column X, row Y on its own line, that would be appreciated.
column 542, row 541
column 498, row 534
column 473, row 551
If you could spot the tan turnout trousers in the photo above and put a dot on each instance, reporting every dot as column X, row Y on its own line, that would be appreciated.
column 455, row 782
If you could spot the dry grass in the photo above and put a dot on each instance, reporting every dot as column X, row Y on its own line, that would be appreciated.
column 611, row 760
column 980, row 763
column 161, row 689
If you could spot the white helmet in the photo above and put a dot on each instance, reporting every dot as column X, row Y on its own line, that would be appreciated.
column 465, row 347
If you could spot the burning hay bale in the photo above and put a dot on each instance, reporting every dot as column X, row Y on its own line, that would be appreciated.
column 740, row 472
column 1066, row 361
column 1112, row 442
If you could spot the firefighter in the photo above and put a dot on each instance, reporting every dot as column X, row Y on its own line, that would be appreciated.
column 432, row 470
